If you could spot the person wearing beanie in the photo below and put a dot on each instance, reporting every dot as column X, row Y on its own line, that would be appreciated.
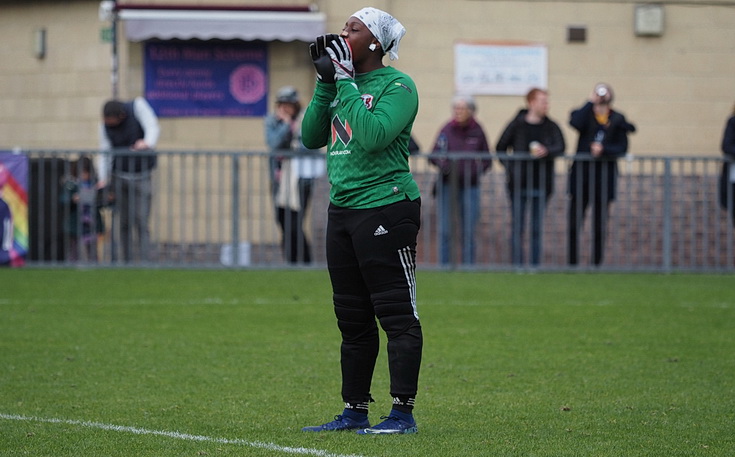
column 293, row 170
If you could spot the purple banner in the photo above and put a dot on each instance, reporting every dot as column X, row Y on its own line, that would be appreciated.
column 206, row 78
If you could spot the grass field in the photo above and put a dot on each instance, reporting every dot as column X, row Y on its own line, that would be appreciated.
column 234, row 363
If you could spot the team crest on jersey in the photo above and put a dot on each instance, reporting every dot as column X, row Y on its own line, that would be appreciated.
column 341, row 131
column 367, row 99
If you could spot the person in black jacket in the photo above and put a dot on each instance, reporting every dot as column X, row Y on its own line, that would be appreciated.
column 727, row 177
column 531, row 141
column 603, row 138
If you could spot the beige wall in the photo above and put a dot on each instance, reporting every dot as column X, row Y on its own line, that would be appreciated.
column 51, row 102
column 678, row 88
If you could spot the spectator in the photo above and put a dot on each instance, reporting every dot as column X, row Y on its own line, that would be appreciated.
column 727, row 178
column 458, row 186
column 131, row 126
column 532, row 140
column 413, row 146
column 603, row 138
column 292, row 176
column 363, row 111
column 80, row 200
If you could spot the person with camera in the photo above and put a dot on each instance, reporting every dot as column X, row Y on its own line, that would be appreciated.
column 603, row 138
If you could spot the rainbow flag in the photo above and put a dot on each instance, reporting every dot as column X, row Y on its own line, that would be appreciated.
column 14, row 193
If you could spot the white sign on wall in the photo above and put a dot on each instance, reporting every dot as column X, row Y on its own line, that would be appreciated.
column 488, row 68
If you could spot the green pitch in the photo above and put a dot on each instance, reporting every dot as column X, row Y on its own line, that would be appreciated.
column 233, row 363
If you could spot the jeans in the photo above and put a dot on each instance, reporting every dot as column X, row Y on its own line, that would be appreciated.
column 519, row 201
column 133, row 193
column 466, row 206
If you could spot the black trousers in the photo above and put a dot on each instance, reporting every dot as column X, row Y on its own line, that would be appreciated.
column 371, row 256
column 727, row 198
column 590, row 182
column 294, row 243
column 600, row 211
column 293, row 239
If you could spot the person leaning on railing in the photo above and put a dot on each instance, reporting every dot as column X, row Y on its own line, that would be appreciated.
column 603, row 138
column 532, row 141
column 131, row 126
column 457, row 188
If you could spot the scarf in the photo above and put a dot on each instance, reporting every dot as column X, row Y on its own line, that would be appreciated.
column 384, row 27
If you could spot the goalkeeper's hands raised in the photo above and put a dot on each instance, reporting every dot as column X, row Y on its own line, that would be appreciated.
column 321, row 60
column 340, row 52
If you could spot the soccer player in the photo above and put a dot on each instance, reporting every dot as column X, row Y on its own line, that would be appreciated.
column 363, row 112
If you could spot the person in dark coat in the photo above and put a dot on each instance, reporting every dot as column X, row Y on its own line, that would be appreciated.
column 531, row 142
column 727, row 177
column 603, row 138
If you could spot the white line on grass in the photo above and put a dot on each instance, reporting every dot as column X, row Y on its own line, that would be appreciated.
column 178, row 436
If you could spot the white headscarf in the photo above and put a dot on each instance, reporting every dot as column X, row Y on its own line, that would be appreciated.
column 384, row 27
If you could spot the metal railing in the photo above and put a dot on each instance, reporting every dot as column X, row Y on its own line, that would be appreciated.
column 216, row 209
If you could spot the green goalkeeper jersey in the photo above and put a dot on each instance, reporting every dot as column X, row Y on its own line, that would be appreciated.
column 366, row 126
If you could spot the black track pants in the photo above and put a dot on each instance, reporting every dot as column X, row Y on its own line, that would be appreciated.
column 371, row 254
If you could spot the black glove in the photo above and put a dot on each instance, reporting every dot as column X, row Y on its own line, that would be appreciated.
column 320, row 58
